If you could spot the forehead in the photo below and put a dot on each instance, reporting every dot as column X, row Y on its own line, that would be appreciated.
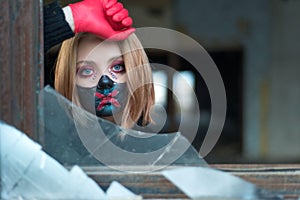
column 93, row 47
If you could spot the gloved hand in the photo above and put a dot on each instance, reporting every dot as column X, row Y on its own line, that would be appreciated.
column 105, row 18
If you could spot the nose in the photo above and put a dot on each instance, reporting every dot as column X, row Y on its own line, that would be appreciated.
column 105, row 83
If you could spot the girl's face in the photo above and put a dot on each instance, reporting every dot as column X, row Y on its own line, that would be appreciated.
column 95, row 59
column 101, row 76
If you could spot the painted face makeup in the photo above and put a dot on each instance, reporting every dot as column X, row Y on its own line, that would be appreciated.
column 101, row 76
column 87, row 73
column 105, row 99
column 96, row 58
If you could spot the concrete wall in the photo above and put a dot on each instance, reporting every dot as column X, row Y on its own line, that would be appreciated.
column 269, row 33
column 284, row 116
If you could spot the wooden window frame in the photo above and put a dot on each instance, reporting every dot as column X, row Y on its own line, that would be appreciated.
column 21, row 61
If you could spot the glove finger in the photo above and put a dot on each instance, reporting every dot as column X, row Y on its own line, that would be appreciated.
column 122, row 35
column 120, row 15
column 114, row 9
column 127, row 21
column 109, row 3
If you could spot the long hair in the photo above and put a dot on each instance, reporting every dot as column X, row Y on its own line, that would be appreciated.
column 138, row 71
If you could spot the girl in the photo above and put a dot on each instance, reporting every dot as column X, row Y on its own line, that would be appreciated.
column 111, row 79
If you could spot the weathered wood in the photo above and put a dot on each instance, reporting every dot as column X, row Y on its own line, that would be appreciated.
column 21, row 55
column 150, row 185
column 283, row 179
column 280, row 179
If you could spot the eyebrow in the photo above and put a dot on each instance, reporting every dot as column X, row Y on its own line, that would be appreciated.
column 89, row 62
column 85, row 62
column 115, row 58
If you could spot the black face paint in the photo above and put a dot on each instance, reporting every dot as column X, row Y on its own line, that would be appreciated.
column 105, row 99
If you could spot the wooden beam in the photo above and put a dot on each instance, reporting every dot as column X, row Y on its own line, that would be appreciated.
column 21, row 61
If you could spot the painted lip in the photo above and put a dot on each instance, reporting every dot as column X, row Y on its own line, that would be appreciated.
column 108, row 99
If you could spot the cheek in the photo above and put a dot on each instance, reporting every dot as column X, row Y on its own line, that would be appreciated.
column 121, row 79
column 86, row 82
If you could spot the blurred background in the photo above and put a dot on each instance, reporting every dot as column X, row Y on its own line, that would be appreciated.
column 255, row 45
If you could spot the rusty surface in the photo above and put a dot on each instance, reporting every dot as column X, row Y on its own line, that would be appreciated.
column 21, row 63
column 283, row 179
column 150, row 185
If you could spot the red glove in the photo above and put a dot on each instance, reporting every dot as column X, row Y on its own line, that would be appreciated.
column 105, row 18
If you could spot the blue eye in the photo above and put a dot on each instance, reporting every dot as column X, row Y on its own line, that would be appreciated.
column 85, row 72
column 118, row 68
